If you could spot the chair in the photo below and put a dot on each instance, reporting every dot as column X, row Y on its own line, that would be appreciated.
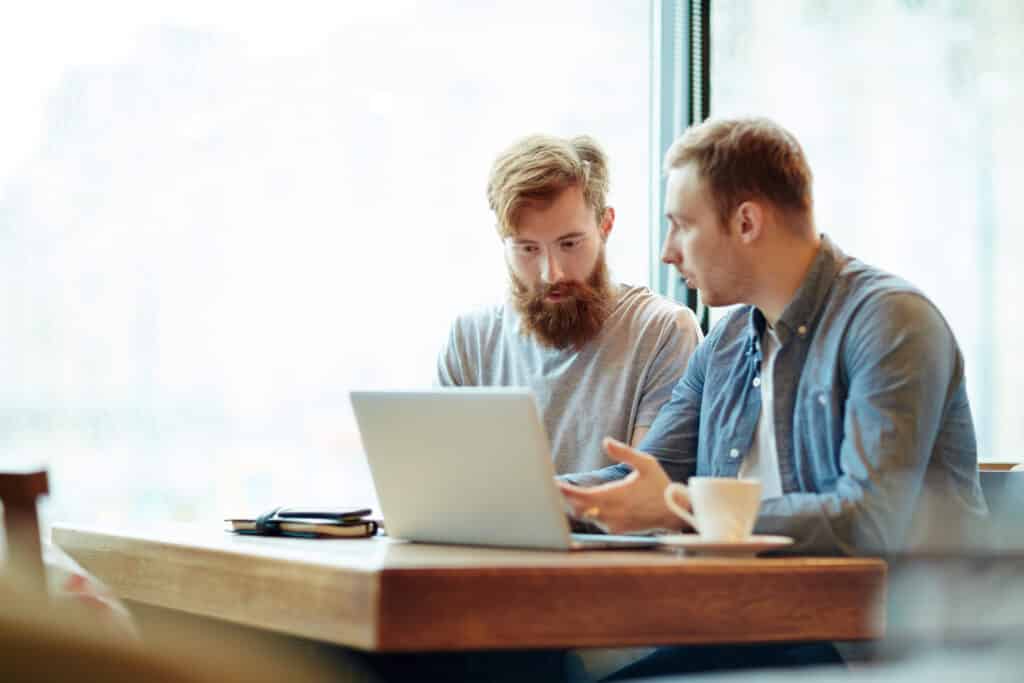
column 1004, row 492
column 49, row 640
column 19, row 493
column 43, row 639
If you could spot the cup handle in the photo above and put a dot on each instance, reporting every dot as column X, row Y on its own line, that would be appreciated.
column 676, row 507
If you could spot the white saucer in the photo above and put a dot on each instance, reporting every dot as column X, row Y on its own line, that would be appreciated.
column 693, row 544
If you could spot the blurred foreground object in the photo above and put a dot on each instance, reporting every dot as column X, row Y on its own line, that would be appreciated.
column 59, row 623
column 19, row 493
column 46, row 640
column 44, row 569
column 964, row 591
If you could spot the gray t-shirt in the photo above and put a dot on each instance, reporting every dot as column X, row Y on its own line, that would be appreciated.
column 616, row 383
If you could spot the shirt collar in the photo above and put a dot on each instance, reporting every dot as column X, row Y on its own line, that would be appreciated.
column 800, row 315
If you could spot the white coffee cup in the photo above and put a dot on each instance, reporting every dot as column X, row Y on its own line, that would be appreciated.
column 724, row 509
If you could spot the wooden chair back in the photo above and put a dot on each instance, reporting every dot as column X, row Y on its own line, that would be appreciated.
column 19, row 494
column 43, row 639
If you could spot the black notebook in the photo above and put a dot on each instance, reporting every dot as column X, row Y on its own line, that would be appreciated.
column 308, row 523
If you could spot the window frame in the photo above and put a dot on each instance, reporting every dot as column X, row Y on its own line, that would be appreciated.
column 680, row 97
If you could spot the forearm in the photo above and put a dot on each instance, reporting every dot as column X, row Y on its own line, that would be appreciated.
column 820, row 524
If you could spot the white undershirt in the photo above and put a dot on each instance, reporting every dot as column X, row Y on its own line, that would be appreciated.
column 762, row 462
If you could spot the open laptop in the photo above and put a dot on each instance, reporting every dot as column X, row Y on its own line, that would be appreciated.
column 468, row 466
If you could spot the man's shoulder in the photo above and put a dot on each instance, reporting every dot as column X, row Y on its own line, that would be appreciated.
column 476, row 325
column 864, row 289
column 873, row 309
column 642, row 307
column 484, row 316
column 864, row 275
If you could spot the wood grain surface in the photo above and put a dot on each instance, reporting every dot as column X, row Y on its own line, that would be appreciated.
column 386, row 595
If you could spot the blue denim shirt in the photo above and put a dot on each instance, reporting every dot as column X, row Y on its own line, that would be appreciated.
column 874, row 433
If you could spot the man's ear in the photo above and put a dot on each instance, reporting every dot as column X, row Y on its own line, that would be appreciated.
column 607, row 222
column 748, row 222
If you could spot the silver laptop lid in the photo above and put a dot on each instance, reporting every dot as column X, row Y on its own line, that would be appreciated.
column 462, row 465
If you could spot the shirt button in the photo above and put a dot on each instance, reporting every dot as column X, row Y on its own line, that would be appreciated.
column 802, row 330
column 821, row 399
column 734, row 453
column 757, row 381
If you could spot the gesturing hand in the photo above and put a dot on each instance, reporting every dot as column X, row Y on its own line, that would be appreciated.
column 635, row 503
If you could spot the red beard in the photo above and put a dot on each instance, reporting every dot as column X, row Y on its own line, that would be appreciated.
column 574, row 320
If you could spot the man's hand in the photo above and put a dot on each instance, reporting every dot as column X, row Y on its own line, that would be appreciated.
column 635, row 503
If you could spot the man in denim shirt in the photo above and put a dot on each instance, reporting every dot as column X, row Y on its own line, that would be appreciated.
column 840, row 386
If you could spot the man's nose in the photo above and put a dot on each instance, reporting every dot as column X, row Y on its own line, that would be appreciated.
column 552, row 271
column 670, row 253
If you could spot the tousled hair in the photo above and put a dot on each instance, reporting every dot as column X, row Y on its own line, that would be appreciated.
column 743, row 159
column 537, row 168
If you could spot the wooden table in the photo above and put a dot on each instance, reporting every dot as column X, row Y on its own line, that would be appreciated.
column 385, row 595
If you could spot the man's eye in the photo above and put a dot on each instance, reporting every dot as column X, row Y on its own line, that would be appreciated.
column 527, row 248
column 570, row 244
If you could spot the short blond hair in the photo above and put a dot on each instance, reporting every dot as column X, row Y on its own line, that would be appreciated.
column 537, row 168
column 743, row 159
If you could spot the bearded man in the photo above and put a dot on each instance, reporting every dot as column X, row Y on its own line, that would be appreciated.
column 600, row 357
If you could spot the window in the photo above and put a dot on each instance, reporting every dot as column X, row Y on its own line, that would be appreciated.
column 216, row 222
column 907, row 110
